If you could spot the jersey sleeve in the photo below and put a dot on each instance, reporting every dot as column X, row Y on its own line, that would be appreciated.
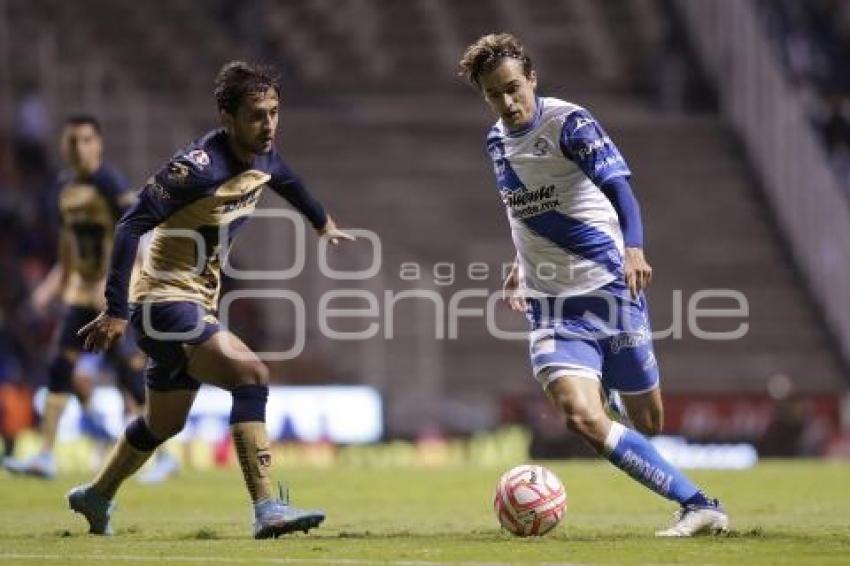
column 584, row 142
column 116, row 189
column 619, row 192
column 287, row 184
column 173, row 187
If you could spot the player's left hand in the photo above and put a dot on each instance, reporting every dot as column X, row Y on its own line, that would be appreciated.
column 638, row 271
column 101, row 333
column 334, row 234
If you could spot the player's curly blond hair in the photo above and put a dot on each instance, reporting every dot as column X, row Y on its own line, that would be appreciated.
column 487, row 51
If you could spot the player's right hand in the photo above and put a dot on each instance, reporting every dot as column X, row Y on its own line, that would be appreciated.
column 101, row 333
column 510, row 291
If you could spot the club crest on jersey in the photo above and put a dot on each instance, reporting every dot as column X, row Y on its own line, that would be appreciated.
column 199, row 157
column 541, row 147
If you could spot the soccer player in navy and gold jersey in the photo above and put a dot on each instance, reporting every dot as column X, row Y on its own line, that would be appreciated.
column 194, row 205
column 92, row 197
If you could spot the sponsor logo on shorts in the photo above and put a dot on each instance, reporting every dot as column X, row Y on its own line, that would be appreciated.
column 630, row 339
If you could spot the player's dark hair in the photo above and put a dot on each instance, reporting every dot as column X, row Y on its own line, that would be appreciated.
column 487, row 52
column 84, row 120
column 238, row 79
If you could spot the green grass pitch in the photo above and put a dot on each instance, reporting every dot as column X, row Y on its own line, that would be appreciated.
column 782, row 513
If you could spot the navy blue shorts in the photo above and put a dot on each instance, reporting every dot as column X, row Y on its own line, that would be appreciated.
column 75, row 318
column 162, row 329
column 118, row 356
column 601, row 335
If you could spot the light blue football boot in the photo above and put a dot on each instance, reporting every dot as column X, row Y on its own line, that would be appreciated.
column 40, row 466
column 94, row 507
column 276, row 517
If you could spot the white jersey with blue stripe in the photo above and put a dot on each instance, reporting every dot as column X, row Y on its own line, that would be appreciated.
column 566, row 231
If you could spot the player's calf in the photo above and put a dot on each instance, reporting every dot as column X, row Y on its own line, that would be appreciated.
column 577, row 398
column 646, row 411
column 129, row 454
column 248, row 428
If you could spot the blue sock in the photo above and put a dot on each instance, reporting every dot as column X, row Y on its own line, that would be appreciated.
column 634, row 454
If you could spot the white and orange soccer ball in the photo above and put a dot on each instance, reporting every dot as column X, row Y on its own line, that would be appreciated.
column 530, row 500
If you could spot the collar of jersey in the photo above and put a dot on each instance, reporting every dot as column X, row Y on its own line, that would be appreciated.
column 538, row 113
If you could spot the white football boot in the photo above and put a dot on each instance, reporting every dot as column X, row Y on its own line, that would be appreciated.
column 692, row 520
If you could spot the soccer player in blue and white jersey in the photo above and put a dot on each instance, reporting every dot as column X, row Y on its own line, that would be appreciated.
column 580, row 271
column 208, row 190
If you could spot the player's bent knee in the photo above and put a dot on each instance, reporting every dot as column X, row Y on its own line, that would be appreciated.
column 590, row 426
column 253, row 373
column 140, row 436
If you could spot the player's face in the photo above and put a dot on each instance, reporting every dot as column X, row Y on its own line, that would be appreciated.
column 254, row 125
column 82, row 147
column 510, row 93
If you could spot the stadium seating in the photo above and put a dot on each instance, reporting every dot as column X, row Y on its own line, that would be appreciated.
column 385, row 134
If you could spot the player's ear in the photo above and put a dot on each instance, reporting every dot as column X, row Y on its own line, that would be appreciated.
column 532, row 79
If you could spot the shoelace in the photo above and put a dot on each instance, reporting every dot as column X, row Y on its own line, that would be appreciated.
column 680, row 513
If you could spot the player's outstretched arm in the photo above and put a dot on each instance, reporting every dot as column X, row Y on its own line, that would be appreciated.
column 330, row 232
column 288, row 185
column 584, row 142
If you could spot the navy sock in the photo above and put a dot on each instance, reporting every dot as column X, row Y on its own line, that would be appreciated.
column 140, row 437
column 60, row 374
column 249, row 404
column 698, row 498
column 634, row 454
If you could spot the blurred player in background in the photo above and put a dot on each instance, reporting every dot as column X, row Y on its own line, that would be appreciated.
column 209, row 190
column 580, row 271
column 92, row 197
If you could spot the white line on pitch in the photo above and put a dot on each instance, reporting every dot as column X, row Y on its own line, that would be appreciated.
column 218, row 559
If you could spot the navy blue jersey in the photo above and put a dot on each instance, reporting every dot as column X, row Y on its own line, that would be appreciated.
column 196, row 204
